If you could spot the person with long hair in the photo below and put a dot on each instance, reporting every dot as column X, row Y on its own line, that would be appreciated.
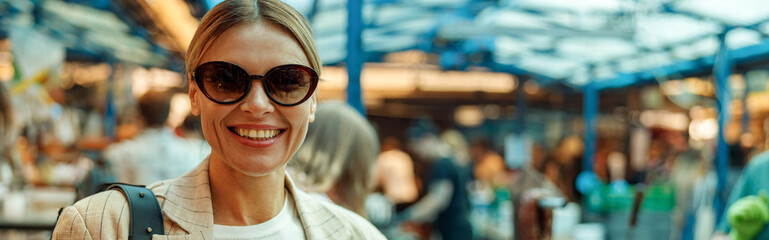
column 253, row 69
column 337, row 158
column 7, row 160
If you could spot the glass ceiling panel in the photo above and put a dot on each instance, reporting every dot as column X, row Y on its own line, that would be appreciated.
column 741, row 37
column 86, row 17
column 645, row 61
column 332, row 48
column 553, row 38
column 595, row 22
column 440, row 3
column 700, row 48
column 662, row 30
column 325, row 5
column 511, row 19
column 417, row 26
column 594, row 49
column 509, row 46
column 573, row 6
column 604, row 71
column 395, row 14
column 764, row 28
column 332, row 55
column 551, row 66
column 734, row 12
column 330, row 21
column 389, row 43
column 539, row 42
column 303, row 6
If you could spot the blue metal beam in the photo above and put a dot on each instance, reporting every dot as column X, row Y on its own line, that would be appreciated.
column 722, row 69
column 355, row 54
column 751, row 53
column 590, row 110
column 687, row 67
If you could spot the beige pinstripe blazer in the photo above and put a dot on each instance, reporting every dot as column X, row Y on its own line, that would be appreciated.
column 186, row 205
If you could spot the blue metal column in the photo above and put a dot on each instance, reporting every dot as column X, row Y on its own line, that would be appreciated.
column 354, row 54
column 519, row 123
column 110, row 114
column 745, row 110
column 591, row 112
column 721, row 70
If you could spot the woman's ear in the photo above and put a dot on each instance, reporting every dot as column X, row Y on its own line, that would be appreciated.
column 313, row 107
column 194, row 104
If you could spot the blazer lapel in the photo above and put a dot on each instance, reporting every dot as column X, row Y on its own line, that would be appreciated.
column 186, row 205
column 318, row 222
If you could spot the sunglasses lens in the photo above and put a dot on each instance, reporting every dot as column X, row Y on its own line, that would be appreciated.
column 222, row 82
column 290, row 84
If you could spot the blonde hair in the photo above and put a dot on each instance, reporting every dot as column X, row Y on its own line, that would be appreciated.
column 233, row 13
column 460, row 150
column 339, row 152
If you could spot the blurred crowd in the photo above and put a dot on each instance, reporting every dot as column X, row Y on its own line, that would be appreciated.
column 432, row 181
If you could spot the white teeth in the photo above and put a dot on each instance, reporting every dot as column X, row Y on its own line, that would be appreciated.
column 257, row 134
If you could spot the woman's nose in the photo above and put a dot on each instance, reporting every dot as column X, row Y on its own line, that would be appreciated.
column 257, row 101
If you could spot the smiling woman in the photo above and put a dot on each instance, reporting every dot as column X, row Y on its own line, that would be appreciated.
column 253, row 72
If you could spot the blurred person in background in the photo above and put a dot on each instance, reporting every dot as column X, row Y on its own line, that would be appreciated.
column 336, row 161
column 487, row 164
column 540, row 173
column 156, row 153
column 190, row 128
column 252, row 66
column 10, row 169
column 394, row 173
column 660, row 157
column 686, row 167
column 460, row 150
column 740, row 152
column 604, row 148
column 746, row 215
column 568, row 158
column 445, row 204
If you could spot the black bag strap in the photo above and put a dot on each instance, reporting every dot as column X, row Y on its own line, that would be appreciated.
column 146, row 216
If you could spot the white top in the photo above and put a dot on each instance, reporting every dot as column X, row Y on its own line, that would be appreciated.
column 285, row 225
column 154, row 155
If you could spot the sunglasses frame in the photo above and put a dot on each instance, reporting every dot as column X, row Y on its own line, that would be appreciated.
column 263, row 78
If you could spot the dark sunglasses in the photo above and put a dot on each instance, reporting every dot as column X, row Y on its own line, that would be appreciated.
column 227, row 83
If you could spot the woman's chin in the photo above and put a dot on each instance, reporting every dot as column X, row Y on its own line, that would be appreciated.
column 254, row 166
column 256, row 169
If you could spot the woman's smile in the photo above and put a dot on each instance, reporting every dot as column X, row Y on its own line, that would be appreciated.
column 256, row 136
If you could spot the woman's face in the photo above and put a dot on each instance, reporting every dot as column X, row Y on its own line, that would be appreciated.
column 257, row 48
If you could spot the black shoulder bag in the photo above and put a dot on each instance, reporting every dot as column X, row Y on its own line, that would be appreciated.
column 146, row 216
